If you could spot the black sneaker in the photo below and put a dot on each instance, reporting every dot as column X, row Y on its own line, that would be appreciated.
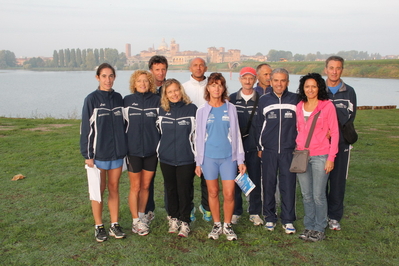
column 100, row 234
column 116, row 231
column 305, row 234
column 316, row 236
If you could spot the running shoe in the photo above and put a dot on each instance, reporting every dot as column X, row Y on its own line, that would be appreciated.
column 217, row 230
column 184, row 229
column 116, row 231
column 140, row 228
column 229, row 232
column 289, row 228
column 100, row 233
column 174, row 225
column 206, row 215
column 270, row 226
column 235, row 218
column 255, row 218
column 334, row 225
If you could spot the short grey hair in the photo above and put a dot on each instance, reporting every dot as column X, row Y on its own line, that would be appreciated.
column 280, row 70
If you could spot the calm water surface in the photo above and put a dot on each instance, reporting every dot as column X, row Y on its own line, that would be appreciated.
column 31, row 94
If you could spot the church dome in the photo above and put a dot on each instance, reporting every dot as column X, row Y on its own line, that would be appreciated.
column 163, row 45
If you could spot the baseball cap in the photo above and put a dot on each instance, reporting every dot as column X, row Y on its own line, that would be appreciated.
column 247, row 70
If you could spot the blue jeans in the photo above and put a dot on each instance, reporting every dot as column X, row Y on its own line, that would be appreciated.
column 313, row 187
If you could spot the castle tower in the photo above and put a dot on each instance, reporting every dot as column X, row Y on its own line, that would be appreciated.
column 128, row 50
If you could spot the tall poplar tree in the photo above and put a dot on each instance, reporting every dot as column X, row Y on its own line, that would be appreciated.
column 78, row 57
column 96, row 57
column 72, row 63
column 55, row 59
column 62, row 59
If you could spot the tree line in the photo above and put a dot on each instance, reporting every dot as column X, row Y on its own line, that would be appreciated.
column 275, row 56
column 86, row 59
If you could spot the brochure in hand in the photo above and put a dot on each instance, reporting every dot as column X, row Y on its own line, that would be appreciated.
column 245, row 183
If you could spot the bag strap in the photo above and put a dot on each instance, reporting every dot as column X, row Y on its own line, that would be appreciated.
column 245, row 132
column 312, row 129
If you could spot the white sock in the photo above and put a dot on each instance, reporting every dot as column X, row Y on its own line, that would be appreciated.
column 225, row 225
column 135, row 220
column 98, row 225
column 112, row 224
column 141, row 215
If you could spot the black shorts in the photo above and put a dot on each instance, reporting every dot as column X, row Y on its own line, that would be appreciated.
column 136, row 164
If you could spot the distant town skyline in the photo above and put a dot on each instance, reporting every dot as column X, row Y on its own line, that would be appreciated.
column 38, row 27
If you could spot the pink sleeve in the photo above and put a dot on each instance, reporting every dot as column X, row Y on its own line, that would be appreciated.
column 334, row 132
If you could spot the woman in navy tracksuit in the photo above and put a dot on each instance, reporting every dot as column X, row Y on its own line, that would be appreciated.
column 141, row 112
column 103, row 144
column 176, row 122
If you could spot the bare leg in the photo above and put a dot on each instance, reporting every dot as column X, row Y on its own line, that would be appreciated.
column 113, row 190
column 145, row 180
column 134, row 193
column 97, row 208
column 213, row 199
column 228, row 202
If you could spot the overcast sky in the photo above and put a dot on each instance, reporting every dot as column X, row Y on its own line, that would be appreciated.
column 38, row 27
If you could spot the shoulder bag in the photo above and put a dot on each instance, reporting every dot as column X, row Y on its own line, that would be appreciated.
column 300, row 159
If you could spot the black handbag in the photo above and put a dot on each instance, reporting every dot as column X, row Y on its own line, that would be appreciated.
column 349, row 133
column 300, row 159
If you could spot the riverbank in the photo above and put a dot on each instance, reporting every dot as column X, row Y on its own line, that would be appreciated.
column 387, row 69
column 46, row 217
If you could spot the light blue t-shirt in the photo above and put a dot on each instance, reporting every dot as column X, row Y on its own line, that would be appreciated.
column 335, row 89
column 217, row 144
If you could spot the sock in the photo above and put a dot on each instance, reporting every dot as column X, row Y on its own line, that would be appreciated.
column 219, row 224
column 135, row 220
column 141, row 215
column 98, row 225
column 113, row 224
column 225, row 225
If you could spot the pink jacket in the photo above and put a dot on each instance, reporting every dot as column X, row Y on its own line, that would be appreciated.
column 327, row 121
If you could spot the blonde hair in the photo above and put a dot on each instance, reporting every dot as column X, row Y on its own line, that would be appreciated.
column 165, row 104
column 135, row 76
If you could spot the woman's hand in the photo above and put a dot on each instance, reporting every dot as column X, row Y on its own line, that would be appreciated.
column 198, row 170
column 242, row 168
column 90, row 162
column 329, row 166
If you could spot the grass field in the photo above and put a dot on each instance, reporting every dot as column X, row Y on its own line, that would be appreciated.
column 46, row 218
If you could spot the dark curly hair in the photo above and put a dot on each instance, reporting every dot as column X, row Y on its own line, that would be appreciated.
column 321, row 85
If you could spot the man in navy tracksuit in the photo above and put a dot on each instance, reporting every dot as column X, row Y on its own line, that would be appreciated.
column 246, row 100
column 276, row 128
column 343, row 97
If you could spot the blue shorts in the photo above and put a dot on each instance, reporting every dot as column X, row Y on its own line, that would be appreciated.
column 225, row 167
column 108, row 165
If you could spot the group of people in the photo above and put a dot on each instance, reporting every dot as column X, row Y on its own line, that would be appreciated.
column 197, row 128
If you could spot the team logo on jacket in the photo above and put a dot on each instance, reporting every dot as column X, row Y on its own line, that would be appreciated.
column 341, row 105
column 117, row 113
column 271, row 115
column 102, row 104
column 183, row 123
column 288, row 114
column 135, row 104
column 151, row 114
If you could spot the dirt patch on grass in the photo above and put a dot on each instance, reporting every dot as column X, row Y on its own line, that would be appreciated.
column 48, row 127
column 7, row 127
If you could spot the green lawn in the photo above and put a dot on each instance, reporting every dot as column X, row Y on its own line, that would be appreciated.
column 46, row 218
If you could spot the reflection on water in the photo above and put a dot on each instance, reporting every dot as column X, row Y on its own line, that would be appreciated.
column 60, row 94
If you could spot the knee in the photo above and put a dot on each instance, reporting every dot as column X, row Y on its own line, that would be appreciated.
column 213, row 193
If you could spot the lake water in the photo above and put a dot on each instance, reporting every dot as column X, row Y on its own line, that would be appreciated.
column 38, row 94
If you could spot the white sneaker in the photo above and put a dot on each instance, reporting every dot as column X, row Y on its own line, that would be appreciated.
column 289, row 228
column 229, row 232
column 140, row 228
column 174, row 225
column 270, row 226
column 334, row 225
column 255, row 219
column 216, row 232
column 235, row 218
column 184, row 229
column 149, row 217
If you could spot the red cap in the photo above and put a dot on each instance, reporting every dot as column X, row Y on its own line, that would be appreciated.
column 247, row 70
